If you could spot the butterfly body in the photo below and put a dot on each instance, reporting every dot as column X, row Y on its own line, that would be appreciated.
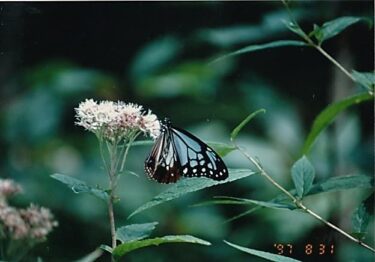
column 177, row 153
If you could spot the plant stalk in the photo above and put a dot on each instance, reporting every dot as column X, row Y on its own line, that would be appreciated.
column 299, row 204
column 112, row 220
column 317, row 46
column 112, row 187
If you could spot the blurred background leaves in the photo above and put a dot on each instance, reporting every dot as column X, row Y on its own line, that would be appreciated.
column 54, row 55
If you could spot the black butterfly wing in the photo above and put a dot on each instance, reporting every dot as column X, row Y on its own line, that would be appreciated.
column 195, row 158
column 162, row 164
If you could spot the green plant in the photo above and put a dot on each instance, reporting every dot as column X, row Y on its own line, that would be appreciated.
column 21, row 229
column 117, row 125
column 302, row 171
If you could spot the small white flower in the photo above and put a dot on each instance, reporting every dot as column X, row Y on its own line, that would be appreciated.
column 150, row 124
column 39, row 220
column 9, row 188
column 116, row 120
column 12, row 222
column 130, row 115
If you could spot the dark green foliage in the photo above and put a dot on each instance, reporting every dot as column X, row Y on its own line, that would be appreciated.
column 333, row 28
column 162, row 56
column 328, row 115
column 361, row 217
column 262, row 254
column 122, row 249
column 303, row 174
column 135, row 232
column 78, row 186
column 189, row 185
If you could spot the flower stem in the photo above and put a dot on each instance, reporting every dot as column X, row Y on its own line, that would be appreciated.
column 112, row 188
column 112, row 220
column 299, row 203
column 127, row 146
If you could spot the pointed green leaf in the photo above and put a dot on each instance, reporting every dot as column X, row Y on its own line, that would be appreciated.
column 189, row 185
column 361, row 216
column 122, row 249
column 269, row 204
column 295, row 28
column 238, row 128
column 366, row 79
column 79, row 186
column 303, row 174
column 336, row 26
column 262, row 254
column 135, row 231
column 317, row 33
column 328, row 115
column 253, row 48
column 223, row 200
column 331, row 185
column 247, row 212
column 129, row 172
column 342, row 183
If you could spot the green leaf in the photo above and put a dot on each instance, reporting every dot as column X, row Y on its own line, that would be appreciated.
column 269, row 204
column 238, row 128
column 317, row 33
column 336, row 26
column 122, row 249
column 342, row 183
column 262, row 254
column 361, row 216
column 244, row 201
column 93, row 256
column 78, row 186
column 189, row 185
column 331, row 185
column 303, row 174
column 247, row 212
column 366, row 79
column 135, row 231
column 295, row 28
column 328, row 115
column 129, row 172
column 253, row 48
column 222, row 149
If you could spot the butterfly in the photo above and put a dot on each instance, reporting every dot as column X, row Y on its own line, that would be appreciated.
column 177, row 153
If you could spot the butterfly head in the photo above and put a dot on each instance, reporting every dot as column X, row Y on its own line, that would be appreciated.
column 166, row 123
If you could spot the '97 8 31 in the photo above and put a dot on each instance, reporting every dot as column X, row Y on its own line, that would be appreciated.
column 309, row 249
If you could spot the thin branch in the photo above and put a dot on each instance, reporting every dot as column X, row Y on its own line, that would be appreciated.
column 316, row 46
column 330, row 58
column 128, row 145
column 298, row 203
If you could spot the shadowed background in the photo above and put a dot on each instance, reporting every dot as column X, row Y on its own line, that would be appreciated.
column 54, row 55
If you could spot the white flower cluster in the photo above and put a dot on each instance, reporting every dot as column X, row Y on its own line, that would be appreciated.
column 116, row 119
column 9, row 188
column 39, row 220
column 33, row 223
